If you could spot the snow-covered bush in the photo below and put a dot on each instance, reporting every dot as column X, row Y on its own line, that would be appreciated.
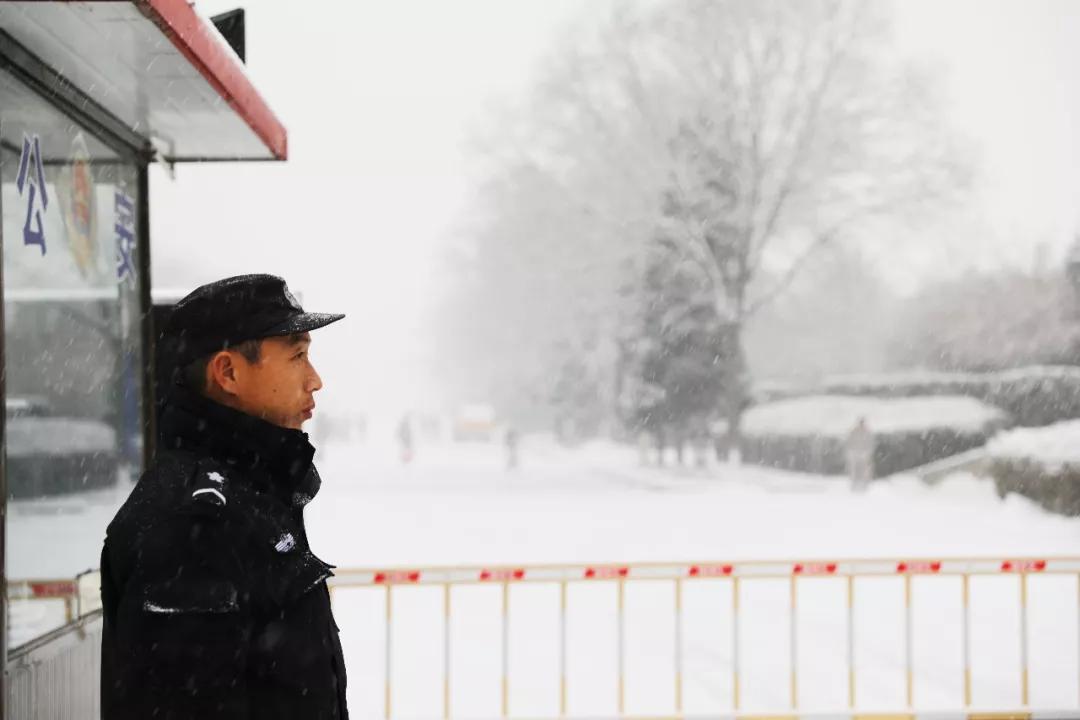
column 1040, row 463
column 809, row 434
column 1033, row 396
column 1037, row 396
column 909, row 384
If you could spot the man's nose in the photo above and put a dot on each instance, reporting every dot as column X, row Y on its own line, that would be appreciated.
column 314, row 382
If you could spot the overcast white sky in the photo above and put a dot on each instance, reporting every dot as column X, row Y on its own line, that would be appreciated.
column 378, row 97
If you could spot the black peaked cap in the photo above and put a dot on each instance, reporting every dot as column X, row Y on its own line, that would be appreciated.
column 225, row 313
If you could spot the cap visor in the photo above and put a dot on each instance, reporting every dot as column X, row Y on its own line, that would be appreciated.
column 303, row 323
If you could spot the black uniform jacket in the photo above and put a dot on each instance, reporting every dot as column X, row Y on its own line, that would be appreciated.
column 214, row 605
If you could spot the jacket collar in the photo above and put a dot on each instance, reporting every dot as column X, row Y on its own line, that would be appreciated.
column 276, row 459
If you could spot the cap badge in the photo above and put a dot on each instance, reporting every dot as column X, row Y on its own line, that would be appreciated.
column 293, row 302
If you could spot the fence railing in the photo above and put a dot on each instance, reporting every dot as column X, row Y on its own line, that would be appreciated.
column 737, row 581
column 57, row 675
column 739, row 576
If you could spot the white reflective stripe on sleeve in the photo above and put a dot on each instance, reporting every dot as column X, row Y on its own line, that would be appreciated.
column 209, row 490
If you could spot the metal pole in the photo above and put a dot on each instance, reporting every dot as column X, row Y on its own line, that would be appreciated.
column 678, row 647
column 1023, row 640
column 908, row 663
column 966, row 639
column 851, row 640
column 148, row 345
column 735, row 641
column 562, row 648
column 505, row 649
column 388, row 708
column 622, row 647
column 794, row 643
column 3, row 487
column 446, row 651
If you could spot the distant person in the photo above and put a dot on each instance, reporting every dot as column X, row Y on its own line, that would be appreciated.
column 511, row 442
column 405, row 440
column 214, row 606
column 643, row 448
column 701, row 450
column 860, row 448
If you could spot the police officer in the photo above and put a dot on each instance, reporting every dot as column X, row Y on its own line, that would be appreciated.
column 214, row 605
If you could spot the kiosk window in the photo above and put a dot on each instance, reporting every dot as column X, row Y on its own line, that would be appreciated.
column 71, row 341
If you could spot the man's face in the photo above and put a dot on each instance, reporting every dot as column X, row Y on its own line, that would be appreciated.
column 281, row 386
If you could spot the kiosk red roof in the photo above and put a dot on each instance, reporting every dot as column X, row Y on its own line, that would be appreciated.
column 159, row 67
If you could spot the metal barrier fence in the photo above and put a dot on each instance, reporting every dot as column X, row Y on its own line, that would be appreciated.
column 740, row 575
column 59, row 672
column 57, row 676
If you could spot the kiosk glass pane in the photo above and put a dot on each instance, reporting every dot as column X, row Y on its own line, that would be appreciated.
column 72, row 350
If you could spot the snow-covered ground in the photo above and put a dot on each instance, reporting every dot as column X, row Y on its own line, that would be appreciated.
column 459, row 505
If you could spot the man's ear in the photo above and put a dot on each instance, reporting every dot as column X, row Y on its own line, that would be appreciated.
column 221, row 371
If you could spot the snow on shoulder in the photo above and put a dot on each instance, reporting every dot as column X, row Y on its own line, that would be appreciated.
column 836, row 415
column 1057, row 444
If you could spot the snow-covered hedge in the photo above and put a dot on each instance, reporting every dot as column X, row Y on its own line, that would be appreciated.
column 1040, row 463
column 908, row 384
column 808, row 434
column 1037, row 396
column 1033, row 396
column 1052, row 446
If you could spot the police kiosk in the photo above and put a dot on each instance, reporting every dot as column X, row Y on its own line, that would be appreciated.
column 91, row 94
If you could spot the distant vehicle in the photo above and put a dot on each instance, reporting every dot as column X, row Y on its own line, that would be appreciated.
column 28, row 406
column 55, row 455
column 475, row 423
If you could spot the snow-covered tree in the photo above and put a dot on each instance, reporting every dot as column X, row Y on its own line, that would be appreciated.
column 741, row 135
column 673, row 354
column 990, row 321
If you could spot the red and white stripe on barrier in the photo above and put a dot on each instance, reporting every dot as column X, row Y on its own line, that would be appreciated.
column 714, row 570
column 42, row 589
column 501, row 575
column 396, row 577
column 1023, row 566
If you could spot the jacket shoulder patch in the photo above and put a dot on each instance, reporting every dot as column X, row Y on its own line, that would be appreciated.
column 212, row 495
column 208, row 484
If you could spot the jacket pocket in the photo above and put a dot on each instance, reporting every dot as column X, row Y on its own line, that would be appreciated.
column 184, row 640
column 199, row 597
